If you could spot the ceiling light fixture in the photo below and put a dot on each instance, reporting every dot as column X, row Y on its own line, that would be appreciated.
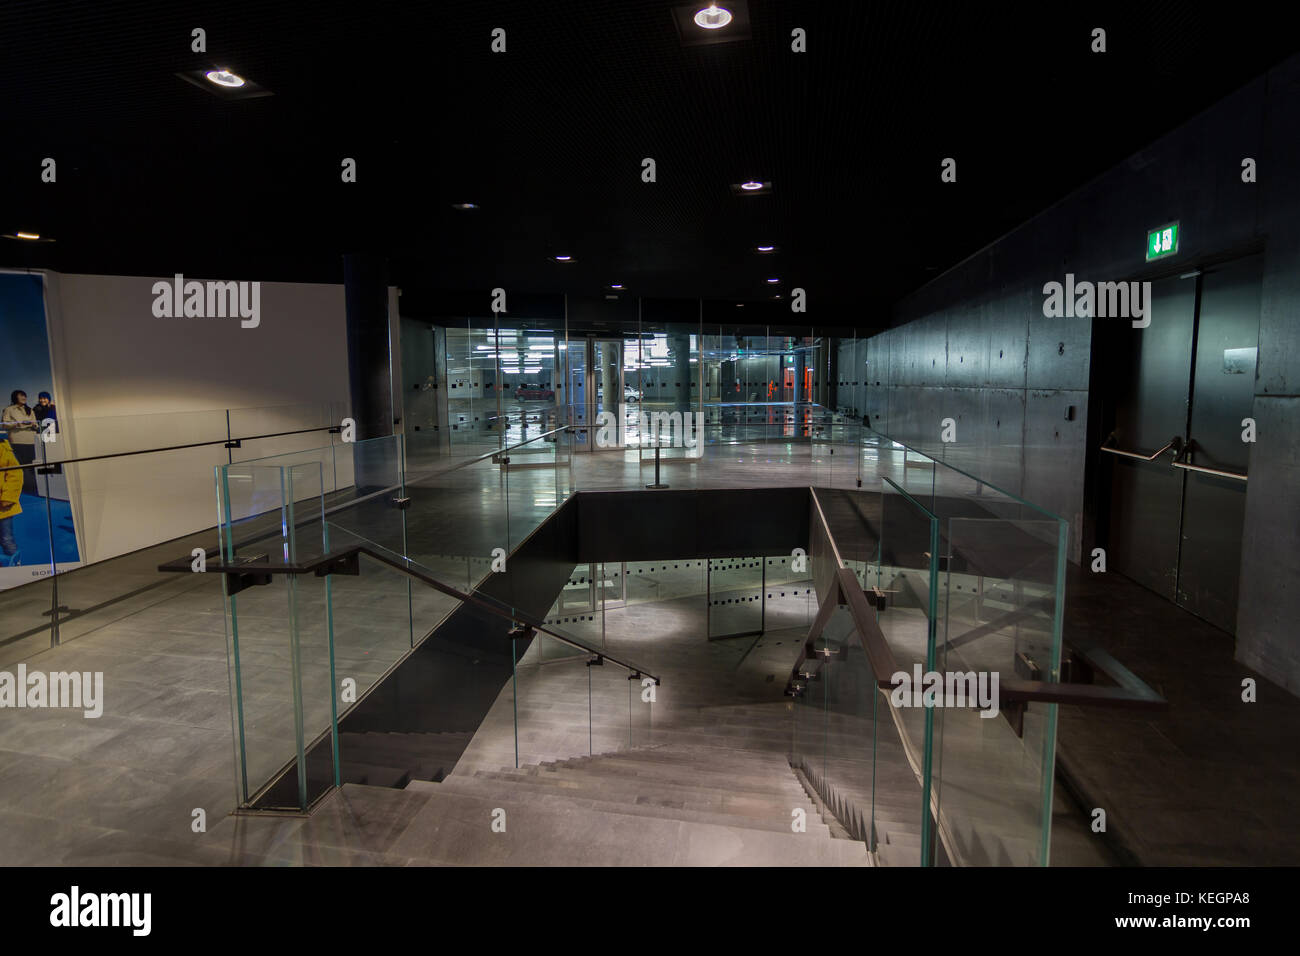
column 225, row 78
column 617, row 285
column 751, row 186
column 563, row 258
column 765, row 248
column 713, row 17
column 27, row 235
column 773, row 281
column 464, row 205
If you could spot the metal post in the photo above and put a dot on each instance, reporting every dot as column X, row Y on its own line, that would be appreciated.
column 658, row 483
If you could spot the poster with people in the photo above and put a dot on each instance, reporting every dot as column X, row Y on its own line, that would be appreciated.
column 37, row 532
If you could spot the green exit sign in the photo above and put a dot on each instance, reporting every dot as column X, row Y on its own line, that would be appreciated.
column 1162, row 241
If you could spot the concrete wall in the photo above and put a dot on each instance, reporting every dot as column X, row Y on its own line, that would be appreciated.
column 127, row 380
column 974, row 345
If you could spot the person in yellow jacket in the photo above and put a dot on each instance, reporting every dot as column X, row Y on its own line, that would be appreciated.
column 11, row 486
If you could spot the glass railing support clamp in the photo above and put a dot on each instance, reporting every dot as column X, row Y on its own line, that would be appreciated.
column 349, row 563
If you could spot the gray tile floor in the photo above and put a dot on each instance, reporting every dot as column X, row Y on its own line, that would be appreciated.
column 122, row 789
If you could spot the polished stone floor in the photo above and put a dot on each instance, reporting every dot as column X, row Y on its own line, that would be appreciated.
column 1210, row 781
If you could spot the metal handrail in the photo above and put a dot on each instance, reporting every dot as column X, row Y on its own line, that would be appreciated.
column 1218, row 472
column 1175, row 443
column 50, row 463
column 335, row 559
column 1131, row 691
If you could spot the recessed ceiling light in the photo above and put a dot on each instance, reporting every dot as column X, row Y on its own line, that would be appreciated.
column 464, row 205
column 225, row 78
column 773, row 281
column 740, row 305
column 713, row 17
column 27, row 235
column 617, row 285
column 765, row 248
column 563, row 258
column 751, row 186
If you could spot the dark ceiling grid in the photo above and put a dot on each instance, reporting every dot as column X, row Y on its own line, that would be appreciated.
column 155, row 172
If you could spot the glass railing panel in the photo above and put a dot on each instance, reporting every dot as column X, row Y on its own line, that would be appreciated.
column 809, row 712
column 460, row 524
column 642, row 696
column 493, row 603
column 821, row 454
column 420, row 730
column 848, row 765
column 563, row 444
column 577, row 610
column 265, row 714
column 278, row 639
column 253, row 518
column 553, row 707
column 993, row 784
column 25, row 620
column 651, row 582
column 611, row 709
column 529, row 483
column 735, row 597
column 81, row 436
column 907, row 576
column 290, row 429
column 789, row 597
column 376, row 513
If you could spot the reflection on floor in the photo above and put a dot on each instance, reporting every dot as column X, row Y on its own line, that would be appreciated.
column 1210, row 781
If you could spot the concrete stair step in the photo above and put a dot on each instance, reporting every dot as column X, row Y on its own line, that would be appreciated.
column 689, row 775
column 776, row 822
column 456, row 828
column 633, row 793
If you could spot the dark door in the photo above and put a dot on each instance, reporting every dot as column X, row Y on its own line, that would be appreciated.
column 1190, row 375
column 1223, row 393
column 1146, row 497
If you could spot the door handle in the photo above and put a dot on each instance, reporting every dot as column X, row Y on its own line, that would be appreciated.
column 1175, row 443
column 1188, row 466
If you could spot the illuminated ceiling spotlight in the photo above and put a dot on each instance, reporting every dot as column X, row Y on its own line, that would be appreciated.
column 773, row 281
column 231, row 81
column 224, row 82
column 764, row 250
column 712, row 17
column 26, row 236
column 752, row 187
column 464, row 206
column 704, row 22
column 563, row 258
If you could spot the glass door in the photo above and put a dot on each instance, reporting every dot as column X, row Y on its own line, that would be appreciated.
column 607, row 394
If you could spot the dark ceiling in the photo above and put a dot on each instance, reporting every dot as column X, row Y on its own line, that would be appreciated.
column 156, row 176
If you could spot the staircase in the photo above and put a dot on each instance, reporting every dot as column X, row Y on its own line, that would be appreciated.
column 382, row 759
column 664, row 805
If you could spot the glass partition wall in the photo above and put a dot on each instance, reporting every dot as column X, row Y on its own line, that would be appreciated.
column 647, row 387
column 109, row 498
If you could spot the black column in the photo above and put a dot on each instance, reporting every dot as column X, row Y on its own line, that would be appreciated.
column 365, row 282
